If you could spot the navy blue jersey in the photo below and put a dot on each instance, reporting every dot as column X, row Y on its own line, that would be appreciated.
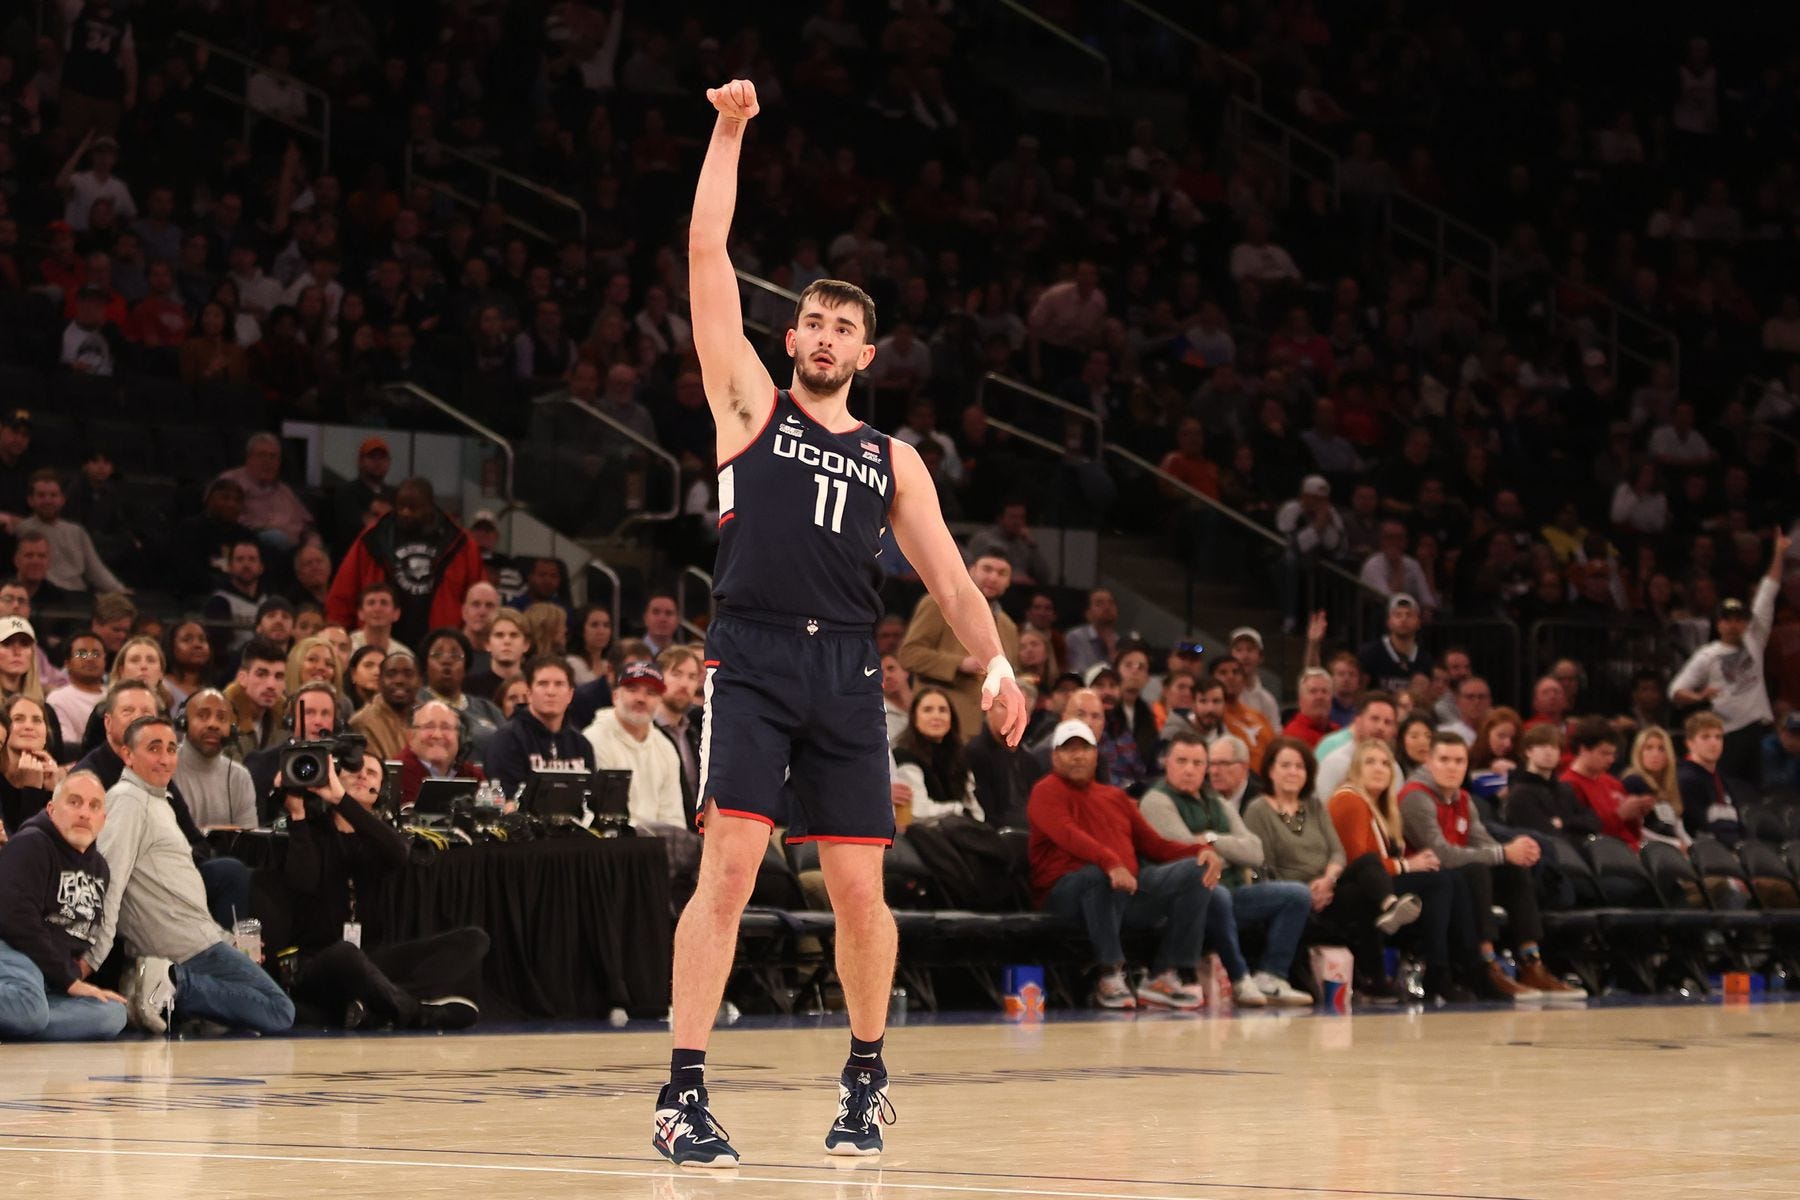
column 801, row 515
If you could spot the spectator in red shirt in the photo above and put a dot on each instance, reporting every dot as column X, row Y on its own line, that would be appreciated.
column 1621, row 815
column 99, row 275
column 1087, row 840
column 62, row 267
column 1188, row 462
column 1304, row 345
column 1313, row 721
column 160, row 318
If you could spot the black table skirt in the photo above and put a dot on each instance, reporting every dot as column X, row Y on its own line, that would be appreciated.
column 580, row 925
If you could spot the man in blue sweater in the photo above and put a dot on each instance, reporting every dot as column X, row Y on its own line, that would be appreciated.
column 53, row 884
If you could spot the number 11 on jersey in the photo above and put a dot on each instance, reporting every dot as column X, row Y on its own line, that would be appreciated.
column 826, row 487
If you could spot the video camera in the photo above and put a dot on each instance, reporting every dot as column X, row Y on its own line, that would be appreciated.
column 303, row 765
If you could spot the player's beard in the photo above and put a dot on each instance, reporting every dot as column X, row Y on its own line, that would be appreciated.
column 823, row 383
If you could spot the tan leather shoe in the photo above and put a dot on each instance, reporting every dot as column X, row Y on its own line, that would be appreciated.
column 1502, row 988
column 1533, row 973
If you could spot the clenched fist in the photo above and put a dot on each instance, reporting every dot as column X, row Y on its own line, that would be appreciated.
column 735, row 99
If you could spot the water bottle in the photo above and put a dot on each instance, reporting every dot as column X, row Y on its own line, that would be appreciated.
column 897, row 1006
column 246, row 935
column 1410, row 980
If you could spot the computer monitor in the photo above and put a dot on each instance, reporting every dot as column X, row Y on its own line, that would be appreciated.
column 439, row 797
column 609, row 796
column 556, row 795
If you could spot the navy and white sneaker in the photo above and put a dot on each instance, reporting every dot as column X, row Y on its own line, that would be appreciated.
column 686, row 1133
column 863, row 1108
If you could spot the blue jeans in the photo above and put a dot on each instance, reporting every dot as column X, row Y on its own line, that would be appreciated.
column 221, row 984
column 1283, row 907
column 28, row 1012
column 227, row 890
column 1172, row 895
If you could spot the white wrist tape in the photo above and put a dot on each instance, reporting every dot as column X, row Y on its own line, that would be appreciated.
column 997, row 669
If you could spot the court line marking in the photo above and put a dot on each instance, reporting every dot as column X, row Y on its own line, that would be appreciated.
column 836, row 1172
column 666, row 1172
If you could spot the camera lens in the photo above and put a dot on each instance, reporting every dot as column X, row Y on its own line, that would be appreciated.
column 306, row 769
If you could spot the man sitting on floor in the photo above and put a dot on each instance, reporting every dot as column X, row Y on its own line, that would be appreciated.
column 52, row 890
column 157, row 905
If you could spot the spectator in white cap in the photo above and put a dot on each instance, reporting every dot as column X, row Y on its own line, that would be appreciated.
column 1314, row 530
column 1097, row 861
column 1390, row 661
column 1391, row 570
column 1247, row 648
column 18, row 660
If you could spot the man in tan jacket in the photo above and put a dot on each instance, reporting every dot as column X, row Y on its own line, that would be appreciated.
column 932, row 653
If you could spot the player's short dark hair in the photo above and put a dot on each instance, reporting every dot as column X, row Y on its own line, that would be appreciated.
column 835, row 293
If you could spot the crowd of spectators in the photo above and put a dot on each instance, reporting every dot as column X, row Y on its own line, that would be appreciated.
column 1267, row 346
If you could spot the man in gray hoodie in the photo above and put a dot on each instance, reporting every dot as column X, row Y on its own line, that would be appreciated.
column 1439, row 815
column 157, row 905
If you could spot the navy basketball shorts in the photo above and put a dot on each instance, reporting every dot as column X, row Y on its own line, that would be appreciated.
column 796, row 730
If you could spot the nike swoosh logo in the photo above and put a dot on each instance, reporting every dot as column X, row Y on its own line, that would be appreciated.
column 868, row 671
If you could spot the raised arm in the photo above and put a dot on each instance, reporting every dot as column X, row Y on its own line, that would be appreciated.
column 738, row 386
column 925, row 541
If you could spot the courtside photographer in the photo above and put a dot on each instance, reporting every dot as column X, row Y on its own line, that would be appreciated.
column 339, row 855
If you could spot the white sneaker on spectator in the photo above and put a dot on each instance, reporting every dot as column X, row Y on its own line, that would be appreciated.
column 1113, row 992
column 1280, row 992
column 1399, row 912
column 1247, row 993
column 149, row 990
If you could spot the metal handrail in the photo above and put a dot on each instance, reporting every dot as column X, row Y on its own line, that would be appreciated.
column 323, row 133
column 773, row 289
column 596, row 564
column 690, row 571
column 1219, row 506
column 1042, row 397
column 495, row 175
column 1023, row 435
column 1243, row 69
column 757, row 281
column 1778, row 433
column 1064, row 36
column 1614, row 312
column 1442, row 224
column 1243, row 110
column 464, row 419
column 674, row 509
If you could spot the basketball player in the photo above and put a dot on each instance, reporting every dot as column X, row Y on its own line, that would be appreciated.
column 793, row 683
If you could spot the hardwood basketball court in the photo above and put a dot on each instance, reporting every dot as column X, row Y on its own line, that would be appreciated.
column 1672, row 1102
